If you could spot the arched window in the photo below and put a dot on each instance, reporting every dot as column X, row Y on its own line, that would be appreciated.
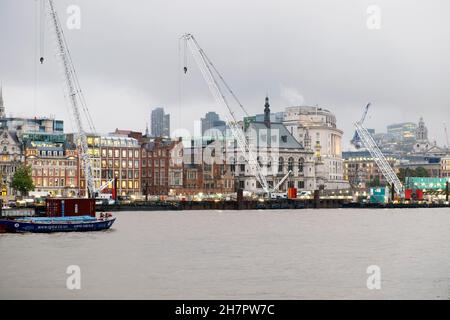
column 259, row 159
column 280, row 164
column 291, row 164
column 300, row 164
column 269, row 162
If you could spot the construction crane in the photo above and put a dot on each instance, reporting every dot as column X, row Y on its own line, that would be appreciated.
column 73, row 92
column 377, row 155
column 446, row 135
column 210, row 72
column 356, row 140
column 366, row 109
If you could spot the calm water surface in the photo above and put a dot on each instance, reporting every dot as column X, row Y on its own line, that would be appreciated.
column 275, row 254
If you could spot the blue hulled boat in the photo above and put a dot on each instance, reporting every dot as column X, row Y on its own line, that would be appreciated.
column 57, row 224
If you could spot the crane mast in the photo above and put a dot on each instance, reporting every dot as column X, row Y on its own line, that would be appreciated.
column 207, row 68
column 377, row 155
column 73, row 92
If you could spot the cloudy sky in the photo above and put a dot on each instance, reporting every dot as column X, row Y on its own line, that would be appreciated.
column 316, row 52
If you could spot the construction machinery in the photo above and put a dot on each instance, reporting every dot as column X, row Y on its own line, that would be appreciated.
column 377, row 155
column 213, row 79
column 73, row 92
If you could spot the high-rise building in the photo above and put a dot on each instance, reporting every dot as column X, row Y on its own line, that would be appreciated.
column 212, row 120
column 22, row 125
column 160, row 123
column 402, row 131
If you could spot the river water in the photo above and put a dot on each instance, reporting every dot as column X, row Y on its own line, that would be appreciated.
column 270, row 254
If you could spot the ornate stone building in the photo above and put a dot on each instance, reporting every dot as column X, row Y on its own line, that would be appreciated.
column 11, row 158
column 277, row 152
column 326, row 140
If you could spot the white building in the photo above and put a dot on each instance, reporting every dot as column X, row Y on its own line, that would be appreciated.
column 277, row 152
column 326, row 140
column 11, row 157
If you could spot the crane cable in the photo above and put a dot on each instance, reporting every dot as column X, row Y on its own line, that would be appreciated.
column 206, row 58
column 82, row 99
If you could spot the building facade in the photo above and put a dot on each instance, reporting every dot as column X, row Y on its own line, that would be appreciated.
column 361, row 171
column 326, row 139
column 54, row 164
column 205, row 168
column 160, row 123
column 162, row 167
column 445, row 166
column 11, row 157
column 212, row 120
column 277, row 152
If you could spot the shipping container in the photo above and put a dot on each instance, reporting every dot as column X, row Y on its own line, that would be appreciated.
column 408, row 194
column 292, row 193
column 69, row 207
column 419, row 194
column 379, row 195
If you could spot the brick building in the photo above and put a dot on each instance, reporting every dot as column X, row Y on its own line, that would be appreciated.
column 54, row 164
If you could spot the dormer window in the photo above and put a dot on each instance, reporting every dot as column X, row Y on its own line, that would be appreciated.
column 284, row 138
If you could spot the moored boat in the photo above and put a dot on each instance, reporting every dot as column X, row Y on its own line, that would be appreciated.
column 57, row 224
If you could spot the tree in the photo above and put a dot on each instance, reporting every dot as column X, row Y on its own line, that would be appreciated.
column 22, row 180
column 375, row 182
column 421, row 172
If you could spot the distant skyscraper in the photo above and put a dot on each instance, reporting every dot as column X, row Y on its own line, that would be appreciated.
column 212, row 120
column 160, row 123
column 402, row 131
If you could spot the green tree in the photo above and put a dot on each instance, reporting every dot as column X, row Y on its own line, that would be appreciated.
column 421, row 172
column 375, row 182
column 22, row 180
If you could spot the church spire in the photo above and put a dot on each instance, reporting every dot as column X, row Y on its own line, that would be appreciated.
column 2, row 108
column 267, row 112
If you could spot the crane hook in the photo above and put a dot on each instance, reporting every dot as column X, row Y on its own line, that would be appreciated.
column 185, row 70
column 41, row 60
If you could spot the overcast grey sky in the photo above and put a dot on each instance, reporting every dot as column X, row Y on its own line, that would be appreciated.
column 300, row 52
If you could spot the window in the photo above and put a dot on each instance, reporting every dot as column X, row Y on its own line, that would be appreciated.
column 291, row 164
column 232, row 165
column 280, row 164
column 300, row 164
column 300, row 184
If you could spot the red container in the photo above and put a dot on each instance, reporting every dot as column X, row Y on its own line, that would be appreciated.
column 292, row 193
column 408, row 193
column 419, row 194
column 71, row 207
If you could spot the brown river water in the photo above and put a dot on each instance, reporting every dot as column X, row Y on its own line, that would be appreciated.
column 270, row 254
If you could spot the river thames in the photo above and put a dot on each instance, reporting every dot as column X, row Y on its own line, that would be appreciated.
column 270, row 254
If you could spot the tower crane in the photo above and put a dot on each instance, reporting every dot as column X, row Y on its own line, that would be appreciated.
column 73, row 92
column 210, row 74
column 377, row 155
